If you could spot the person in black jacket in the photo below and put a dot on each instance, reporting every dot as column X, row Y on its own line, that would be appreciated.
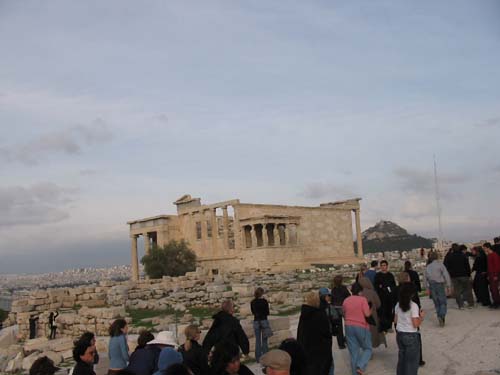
column 193, row 354
column 339, row 294
column 313, row 333
column 298, row 355
column 260, row 311
column 414, row 277
column 33, row 322
column 225, row 360
column 458, row 267
column 480, row 283
column 83, row 354
column 385, row 285
column 144, row 359
column 226, row 327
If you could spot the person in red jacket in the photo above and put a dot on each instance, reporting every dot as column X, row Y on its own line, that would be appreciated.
column 493, row 274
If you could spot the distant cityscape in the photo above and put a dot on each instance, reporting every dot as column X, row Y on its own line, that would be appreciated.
column 12, row 285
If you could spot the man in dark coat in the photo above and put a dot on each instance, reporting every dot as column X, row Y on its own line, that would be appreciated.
column 480, row 282
column 314, row 334
column 226, row 327
column 458, row 267
column 385, row 285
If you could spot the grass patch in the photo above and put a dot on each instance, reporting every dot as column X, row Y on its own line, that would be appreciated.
column 203, row 312
column 138, row 315
column 141, row 324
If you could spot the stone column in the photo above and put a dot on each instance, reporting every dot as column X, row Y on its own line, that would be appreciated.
column 254, row 236
column 265, row 239
column 134, row 260
column 225, row 229
column 287, row 235
column 276, row 234
column 215, row 231
column 239, row 232
column 147, row 247
column 160, row 241
column 359, row 239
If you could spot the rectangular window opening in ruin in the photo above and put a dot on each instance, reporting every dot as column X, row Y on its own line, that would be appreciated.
column 248, row 236
column 198, row 230
column 209, row 229
column 219, row 214
column 353, row 231
column 231, row 229
column 258, row 233
column 270, row 234
column 153, row 238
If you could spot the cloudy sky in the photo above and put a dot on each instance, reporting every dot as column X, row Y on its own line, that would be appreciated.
column 110, row 111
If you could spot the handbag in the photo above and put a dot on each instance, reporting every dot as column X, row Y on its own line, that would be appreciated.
column 266, row 329
column 370, row 320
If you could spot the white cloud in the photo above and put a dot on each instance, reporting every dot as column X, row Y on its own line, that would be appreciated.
column 34, row 205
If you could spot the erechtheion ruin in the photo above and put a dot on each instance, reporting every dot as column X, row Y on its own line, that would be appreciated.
column 233, row 236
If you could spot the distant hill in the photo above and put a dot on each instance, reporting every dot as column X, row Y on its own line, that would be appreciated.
column 388, row 236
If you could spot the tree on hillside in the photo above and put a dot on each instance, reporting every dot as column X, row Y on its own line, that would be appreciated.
column 173, row 259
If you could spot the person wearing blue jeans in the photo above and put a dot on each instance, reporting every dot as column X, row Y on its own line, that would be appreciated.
column 438, row 296
column 436, row 279
column 408, row 318
column 357, row 330
column 409, row 353
column 260, row 311
column 359, row 342
column 261, row 346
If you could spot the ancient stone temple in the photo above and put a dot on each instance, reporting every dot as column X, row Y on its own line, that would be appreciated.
column 235, row 236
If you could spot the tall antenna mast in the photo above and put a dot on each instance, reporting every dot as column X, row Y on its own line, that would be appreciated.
column 438, row 207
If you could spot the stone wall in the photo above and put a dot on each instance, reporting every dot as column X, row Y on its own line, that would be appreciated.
column 93, row 308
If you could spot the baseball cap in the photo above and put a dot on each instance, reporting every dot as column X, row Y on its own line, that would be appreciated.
column 277, row 360
column 324, row 292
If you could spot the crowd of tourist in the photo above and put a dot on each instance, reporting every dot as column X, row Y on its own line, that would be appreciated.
column 376, row 304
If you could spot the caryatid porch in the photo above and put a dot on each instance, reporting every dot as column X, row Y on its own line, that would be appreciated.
column 226, row 233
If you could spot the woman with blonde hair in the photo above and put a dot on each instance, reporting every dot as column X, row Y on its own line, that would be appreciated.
column 314, row 335
column 192, row 352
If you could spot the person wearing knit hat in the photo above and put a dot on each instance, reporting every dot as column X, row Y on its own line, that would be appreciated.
column 168, row 356
column 276, row 362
